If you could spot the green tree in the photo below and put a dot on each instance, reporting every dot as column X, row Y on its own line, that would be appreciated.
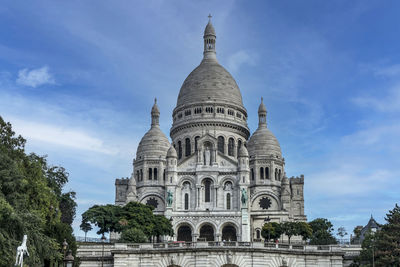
column 290, row 229
column 341, row 231
column 85, row 227
column 322, row 232
column 133, row 215
column 304, row 230
column 30, row 198
column 387, row 240
column 271, row 231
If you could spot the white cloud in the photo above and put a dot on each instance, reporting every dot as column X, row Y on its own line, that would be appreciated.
column 389, row 71
column 35, row 77
column 60, row 136
column 388, row 103
column 239, row 58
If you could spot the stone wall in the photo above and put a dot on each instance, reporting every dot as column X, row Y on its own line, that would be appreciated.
column 202, row 254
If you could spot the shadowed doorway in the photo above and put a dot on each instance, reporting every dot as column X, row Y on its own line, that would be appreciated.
column 207, row 232
column 184, row 233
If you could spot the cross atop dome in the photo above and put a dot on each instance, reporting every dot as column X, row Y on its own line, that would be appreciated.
column 209, row 17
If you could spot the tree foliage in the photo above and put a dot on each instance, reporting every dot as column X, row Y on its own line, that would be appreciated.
column 387, row 240
column 134, row 215
column 30, row 202
column 271, row 231
column 322, row 230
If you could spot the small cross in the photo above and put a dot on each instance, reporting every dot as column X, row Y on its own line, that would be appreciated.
column 209, row 16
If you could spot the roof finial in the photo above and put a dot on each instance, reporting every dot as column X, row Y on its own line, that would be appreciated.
column 155, row 100
column 209, row 17
column 262, row 99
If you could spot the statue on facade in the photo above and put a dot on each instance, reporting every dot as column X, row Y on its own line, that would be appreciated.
column 244, row 196
column 170, row 198
column 21, row 251
column 207, row 156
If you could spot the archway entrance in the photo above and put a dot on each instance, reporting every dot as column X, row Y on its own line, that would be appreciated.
column 229, row 233
column 207, row 232
column 184, row 233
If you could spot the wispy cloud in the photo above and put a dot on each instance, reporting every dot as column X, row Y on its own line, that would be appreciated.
column 60, row 136
column 386, row 103
column 240, row 58
column 35, row 77
column 388, row 71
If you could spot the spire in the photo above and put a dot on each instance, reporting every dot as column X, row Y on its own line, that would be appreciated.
column 155, row 114
column 209, row 40
column 262, row 114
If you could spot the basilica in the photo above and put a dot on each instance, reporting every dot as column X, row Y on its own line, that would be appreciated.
column 216, row 181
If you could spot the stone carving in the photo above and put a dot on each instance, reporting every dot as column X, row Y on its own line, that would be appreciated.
column 170, row 198
column 21, row 251
column 207, row 156
column 244, row 197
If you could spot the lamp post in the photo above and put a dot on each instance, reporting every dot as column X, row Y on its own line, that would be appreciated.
column 103, row 239
column 373, row 231
column 64, row 247
column 267, row 220
column 69, row 259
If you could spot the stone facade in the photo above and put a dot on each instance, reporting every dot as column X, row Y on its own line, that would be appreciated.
column 231, row 254
column 215, row 181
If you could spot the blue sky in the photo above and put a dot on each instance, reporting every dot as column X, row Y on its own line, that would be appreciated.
column 78, row 79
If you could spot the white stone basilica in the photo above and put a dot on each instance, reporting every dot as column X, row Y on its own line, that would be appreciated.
column 215, row 181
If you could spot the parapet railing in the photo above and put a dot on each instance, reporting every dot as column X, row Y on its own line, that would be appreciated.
column 230, row 244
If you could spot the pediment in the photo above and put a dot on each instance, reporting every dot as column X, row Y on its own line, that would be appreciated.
column 226, row 162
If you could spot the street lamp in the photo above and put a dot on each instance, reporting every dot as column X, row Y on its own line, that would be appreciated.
column 373, row 231
column 69, row 259
column 103, row 239
column 267, row 220
column 64, row 247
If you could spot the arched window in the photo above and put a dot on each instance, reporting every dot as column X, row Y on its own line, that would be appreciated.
column 155, row 174
column 150, row 173
column 262, row 173
column 207, row 190
column 266, row 173
column 186, row 201
column 187, row 147
column 228, row 201
column 258, row 234
column 163, row 175
column 239, row 146
column 141, row 175
column 231, row 144
column 276, row 174
column 179, row 149
column 137, row 176
column 279, row 175
column 196, row 141
column 221, row 144
column 252, row 174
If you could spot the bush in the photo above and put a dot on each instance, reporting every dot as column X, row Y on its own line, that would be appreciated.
column 133, row 235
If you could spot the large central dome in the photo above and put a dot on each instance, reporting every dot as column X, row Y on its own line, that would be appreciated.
column 209, row 98
column 209, row 82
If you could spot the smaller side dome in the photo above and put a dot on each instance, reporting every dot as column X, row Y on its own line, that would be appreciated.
column 263, row 142
column 172, row 152
column 243, row 152
column 154, row 143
